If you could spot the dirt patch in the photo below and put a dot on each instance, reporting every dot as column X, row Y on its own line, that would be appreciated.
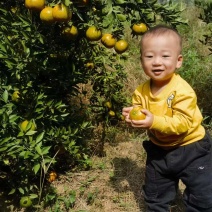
column 113, row 184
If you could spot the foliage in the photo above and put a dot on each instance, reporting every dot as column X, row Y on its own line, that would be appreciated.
column 196, row 68
column 206, row 16
column 61, row 94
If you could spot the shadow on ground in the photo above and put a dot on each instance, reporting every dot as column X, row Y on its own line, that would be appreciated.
column 127, row 170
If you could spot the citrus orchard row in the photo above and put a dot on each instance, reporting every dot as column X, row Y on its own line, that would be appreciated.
column 63, row 73
column 62, row 13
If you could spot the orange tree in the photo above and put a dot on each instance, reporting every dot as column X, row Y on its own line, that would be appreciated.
column 203, row 87
column 59, row 80
column 206, row 16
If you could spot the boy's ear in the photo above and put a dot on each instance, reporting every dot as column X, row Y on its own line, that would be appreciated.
column 179, row 61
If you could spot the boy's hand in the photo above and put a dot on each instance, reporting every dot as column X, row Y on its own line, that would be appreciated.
column 146, row 123
column 126, row 113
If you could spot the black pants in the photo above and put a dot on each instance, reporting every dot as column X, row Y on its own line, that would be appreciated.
column 191, row 163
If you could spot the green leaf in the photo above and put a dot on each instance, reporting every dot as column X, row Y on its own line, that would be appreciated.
column 21, row 190
column 45, row 150
column 31, row 132
column 67, row 2
column 12, row 118
column 20, row 134
column 3, row 48
column 38, row 149
column 12, row 191
column 39, row 137
column 36, row 168
column 3, row 149
column 72, row 197
column 22, row 154
column 5, row 140
column 5, row 96
column 33, row 196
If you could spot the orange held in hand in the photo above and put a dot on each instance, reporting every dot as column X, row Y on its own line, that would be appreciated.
column 136, row 114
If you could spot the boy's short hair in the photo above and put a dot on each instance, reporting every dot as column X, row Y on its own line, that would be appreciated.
column 162, row 30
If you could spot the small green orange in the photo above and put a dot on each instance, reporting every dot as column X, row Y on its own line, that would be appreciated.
column 89, row 65
column 122, row 117
column 16, row 96
column 25, row 202
column 111, row 113
column 108, row 104
column 24, row 124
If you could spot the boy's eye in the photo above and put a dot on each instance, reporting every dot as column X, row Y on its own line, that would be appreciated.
column 166, row 56
column 148, row 56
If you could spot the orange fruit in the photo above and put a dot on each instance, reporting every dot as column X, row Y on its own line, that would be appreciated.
column 89, row 65
column 93, row 34
column 136, row 114
column 122, row 117
column 16, row 96
column 139, row 28
column 61, row 13
column 121, row 46
column 52, row 176
column 24, row 125
column 111, row 113
column 25, row 202
column 35, row 4
column 108, row 40
column 108, row 104
column 70, row 32
column 46, row 15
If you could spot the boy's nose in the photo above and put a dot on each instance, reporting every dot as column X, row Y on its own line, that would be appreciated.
column 157, row 61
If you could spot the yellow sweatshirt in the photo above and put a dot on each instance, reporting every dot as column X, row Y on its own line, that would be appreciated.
column 177, row 118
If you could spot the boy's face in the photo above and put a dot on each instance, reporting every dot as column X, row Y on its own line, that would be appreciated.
column 160, row 56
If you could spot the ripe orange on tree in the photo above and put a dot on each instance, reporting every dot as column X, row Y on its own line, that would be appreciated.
column 35, row 4
column 93, row 33
column 52, row 176
column 121, row 46
column 108, row 40
column 70, row 32
column 139, row 28
column 46, row 15
column 136, row 114
column 61, row 13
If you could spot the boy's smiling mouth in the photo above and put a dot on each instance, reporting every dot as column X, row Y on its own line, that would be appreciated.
column 157, row 71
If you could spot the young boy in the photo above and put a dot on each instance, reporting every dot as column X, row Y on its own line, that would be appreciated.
column 178, row 145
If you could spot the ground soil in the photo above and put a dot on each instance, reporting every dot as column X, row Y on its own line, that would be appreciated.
column 113, row 184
